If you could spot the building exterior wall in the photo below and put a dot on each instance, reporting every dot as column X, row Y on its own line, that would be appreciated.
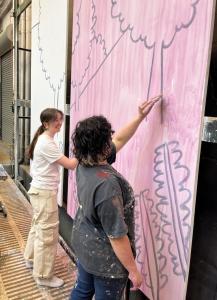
column 7, row 117
column 49, row 49
column 6, row 77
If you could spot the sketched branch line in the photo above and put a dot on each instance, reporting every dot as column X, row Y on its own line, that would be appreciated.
column 97, row 38
column 140, row 236
column 56, row 89
column 75, row 48
column 164, row 232
column 156, row 259
column 144, row 37
column 157, row 49
column 173, row 195
column 156, row 46
column 183, row 25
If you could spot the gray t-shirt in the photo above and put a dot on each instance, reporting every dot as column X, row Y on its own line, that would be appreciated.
column 100, row 216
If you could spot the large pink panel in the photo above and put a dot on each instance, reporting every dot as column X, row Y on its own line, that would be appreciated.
column 124, row 51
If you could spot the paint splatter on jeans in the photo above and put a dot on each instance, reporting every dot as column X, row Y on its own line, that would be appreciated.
column 103, row 288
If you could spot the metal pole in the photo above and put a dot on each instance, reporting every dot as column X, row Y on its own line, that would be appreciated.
column 15, row 85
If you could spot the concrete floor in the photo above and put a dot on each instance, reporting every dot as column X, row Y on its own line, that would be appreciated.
column 17, row 282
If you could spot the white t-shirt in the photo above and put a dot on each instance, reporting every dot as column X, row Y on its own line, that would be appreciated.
column 44, row 169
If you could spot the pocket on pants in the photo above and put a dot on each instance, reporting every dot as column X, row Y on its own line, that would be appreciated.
column 51, row 203
column 34, row 195
column 32, row 191
column 48, row 234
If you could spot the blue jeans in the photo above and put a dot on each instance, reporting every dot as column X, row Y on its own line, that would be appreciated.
column 104, row 288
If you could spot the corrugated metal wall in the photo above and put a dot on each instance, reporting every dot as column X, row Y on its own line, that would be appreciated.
column 0, row 99
column 7, row 97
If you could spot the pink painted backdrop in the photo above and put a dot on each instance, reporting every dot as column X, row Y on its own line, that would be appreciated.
column 125, row 51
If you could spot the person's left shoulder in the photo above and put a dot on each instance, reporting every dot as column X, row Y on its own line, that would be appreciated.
column 109, row 181
column 102, row 174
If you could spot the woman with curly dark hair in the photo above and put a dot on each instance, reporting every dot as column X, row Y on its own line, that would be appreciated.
column 103, row 229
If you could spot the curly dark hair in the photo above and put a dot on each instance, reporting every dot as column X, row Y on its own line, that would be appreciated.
column 91, row 139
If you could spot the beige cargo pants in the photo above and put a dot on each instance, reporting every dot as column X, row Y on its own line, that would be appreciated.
column 42, row 241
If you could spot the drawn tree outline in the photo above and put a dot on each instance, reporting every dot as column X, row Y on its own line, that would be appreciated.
column 145, row 208
column 45, row 69
column 167, row 168
column 168, row 220
column 157, row 47
column 54, row 86
column 94, row 39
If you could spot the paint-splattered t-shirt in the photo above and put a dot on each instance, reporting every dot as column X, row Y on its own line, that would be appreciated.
column 102, row 214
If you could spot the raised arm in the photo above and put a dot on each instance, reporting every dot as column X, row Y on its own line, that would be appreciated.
column 124, row 135
column 68, row 163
